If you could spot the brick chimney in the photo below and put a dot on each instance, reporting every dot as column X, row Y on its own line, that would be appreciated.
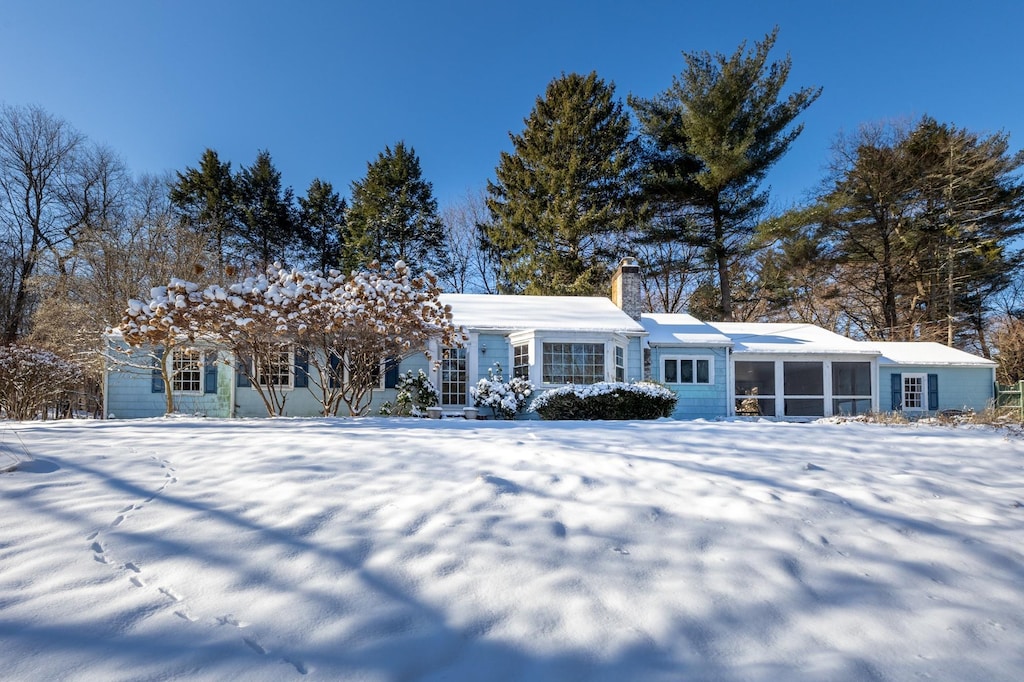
column 626, row 288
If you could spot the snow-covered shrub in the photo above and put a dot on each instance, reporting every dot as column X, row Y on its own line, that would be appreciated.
column 506, row 398
column 416, row 392
column 33, row 379
column 606, row 400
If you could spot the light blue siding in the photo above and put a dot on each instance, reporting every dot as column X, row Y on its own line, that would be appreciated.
column 959, row 387
column 130, row 395
column 498, row 350
column 696, row 401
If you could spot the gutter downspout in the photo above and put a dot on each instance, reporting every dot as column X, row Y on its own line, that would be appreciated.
column 231, row 391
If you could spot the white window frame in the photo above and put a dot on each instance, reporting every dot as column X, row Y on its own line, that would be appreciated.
column 603, row 376
column 922, row 396
column 692, row 359
column 467, row 380
column 619, row 362
column 258, row 375
column 345, row 374
column 178, row 370
column 515, row 348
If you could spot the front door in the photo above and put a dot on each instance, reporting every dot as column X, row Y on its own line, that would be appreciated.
column 454, row 377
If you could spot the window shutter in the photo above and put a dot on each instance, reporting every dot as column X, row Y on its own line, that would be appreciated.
column 210, row 372
column 897, row 391
column 157, row 379
column 301, row 368
column 335, row 362
column 390, row 373
column 933, row 391
column 240, row 379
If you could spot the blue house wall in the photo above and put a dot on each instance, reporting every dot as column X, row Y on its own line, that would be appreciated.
column 696, row 401
column 135, row 389
column 959, row 387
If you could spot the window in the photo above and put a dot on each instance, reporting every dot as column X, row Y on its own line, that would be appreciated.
column 275, row 368
column 914, row 387
column 851, row 388
column 187, row 370
column 454, row 376
column 521, row 361
column 620, row 363
column 573, row 363
column 755, row 387
column 687, row 371
column 804, row 385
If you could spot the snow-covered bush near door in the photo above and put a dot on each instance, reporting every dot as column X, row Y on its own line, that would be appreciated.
column 606, row 400
column 505, row 398
column 32, row 380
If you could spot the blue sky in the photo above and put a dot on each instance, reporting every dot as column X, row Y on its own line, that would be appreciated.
column 324, row 86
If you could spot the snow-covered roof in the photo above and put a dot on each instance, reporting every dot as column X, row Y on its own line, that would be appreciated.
column 784, row 337
column 680, row 329
column 496, row 312
column 925, row 353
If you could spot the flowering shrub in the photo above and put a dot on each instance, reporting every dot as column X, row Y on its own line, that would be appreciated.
column 415, row 394
column 506, row 398
column 33, row 379
column 607, row 400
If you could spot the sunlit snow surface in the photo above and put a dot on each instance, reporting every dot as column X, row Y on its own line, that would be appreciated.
column 423, row 550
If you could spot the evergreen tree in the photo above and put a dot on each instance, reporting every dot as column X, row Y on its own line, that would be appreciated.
column 322, row 223
column 918, row 228
column 562, row 200
column 205, row 197
column 393, row 215
column 267, row 227
column 712, row 137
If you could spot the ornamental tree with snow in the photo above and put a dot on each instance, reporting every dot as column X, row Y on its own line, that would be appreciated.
column 343, row 326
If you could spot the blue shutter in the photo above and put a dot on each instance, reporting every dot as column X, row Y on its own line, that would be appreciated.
column 390, row 373
column 210, row 372
column 301, row 379
column 897, row 391
column 933, row 391
column 157, row 379
column 240, row 379
column 336, row 369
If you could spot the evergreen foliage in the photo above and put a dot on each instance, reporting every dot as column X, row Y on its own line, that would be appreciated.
column 913, row 236
column 205, row 198
column 712, row 137
column 393, row 215
column 563, row 199
column 322, row 224
column 267, row 227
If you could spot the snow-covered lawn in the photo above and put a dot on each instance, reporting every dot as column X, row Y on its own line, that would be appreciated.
column 422, row 550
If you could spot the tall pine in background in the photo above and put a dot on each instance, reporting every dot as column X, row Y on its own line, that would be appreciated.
column 393, row 215
column 712, row 137
column 322, row 224
column 267, row 228
column 562, row 200
column 205, row 198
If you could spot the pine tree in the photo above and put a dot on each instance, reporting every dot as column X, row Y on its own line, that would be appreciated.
column 205, row 196
column 562, row 200
column 393, row 215
column 712, row 137
column 266, row 216
column 322, row 224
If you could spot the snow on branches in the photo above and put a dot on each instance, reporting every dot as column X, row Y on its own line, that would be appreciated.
column 31, row 379
column 345, row 325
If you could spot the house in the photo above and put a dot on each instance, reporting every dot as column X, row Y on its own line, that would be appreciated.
column 717, row 369
column 801, row 370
